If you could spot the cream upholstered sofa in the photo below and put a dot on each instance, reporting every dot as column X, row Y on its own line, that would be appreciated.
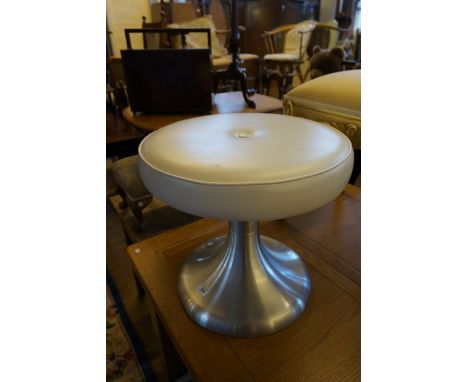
column 334, row 99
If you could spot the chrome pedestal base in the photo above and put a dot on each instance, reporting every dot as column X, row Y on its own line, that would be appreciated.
column 244, row 285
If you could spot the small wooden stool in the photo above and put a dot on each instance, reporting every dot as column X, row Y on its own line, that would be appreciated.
column 130, row 187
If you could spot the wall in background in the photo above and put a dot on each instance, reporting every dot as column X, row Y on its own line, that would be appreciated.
column 123, row 14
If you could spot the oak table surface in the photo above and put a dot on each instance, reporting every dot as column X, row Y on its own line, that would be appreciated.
column 230, row 102
column 323, row 344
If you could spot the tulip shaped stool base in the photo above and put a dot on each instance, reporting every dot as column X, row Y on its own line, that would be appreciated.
column 244, row 285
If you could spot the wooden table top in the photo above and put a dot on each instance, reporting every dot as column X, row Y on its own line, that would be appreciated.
column 230, row 102
column 322, row 345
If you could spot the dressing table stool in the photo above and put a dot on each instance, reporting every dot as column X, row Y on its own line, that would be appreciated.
column 245, row 168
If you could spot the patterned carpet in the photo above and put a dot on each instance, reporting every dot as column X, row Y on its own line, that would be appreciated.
column 125, row 359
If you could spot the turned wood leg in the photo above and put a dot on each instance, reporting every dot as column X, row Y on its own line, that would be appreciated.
column 356, row 167
column 137, row 209
column 246, row 92
column 299, row 72
column 140, row 289
column 257, row 77
column 238, row 74
column 266, row 78
column 128, row 239
column 123, row 204
column 287, row 78
column 215, row 83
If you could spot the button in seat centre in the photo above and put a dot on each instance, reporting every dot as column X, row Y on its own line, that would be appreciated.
column 245, row 133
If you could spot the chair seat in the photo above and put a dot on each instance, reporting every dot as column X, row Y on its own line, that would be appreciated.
column 248, row 56
column 224, row 61
column 282, row 57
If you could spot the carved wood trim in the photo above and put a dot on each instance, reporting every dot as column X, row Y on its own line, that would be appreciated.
column 348, row 125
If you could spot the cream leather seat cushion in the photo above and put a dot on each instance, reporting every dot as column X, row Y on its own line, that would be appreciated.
column 249, row 166
column 334, row 98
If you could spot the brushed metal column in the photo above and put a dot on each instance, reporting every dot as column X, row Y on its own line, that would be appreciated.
column 244, row 285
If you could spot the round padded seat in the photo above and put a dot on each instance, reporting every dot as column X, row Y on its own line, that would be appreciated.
column 246, row 166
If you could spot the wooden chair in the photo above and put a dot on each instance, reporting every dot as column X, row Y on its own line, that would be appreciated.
column 152, row 40
column 286, row 50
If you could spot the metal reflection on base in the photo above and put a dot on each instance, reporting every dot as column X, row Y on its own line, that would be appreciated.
column 244, row 285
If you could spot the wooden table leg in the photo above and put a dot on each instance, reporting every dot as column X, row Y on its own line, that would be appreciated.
column 172, row 366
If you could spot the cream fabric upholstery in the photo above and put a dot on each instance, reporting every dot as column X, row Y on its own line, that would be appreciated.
column 249, row 166
column 292, row 39
column 224, row 61
column 334, row 98
column 292, row 43
column 247, row 56
column 281, row 57
column 199, row 40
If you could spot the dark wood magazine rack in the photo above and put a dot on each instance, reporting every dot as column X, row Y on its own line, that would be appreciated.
column 167, row 80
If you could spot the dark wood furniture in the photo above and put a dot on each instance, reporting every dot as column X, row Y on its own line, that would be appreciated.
column 122, row 140
column 168, row 80
column 234, row 71
column 231, row 102
column 158, row 218
column 132, row 191
column 116, row 93
column 322, row 345
column 345, row 13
